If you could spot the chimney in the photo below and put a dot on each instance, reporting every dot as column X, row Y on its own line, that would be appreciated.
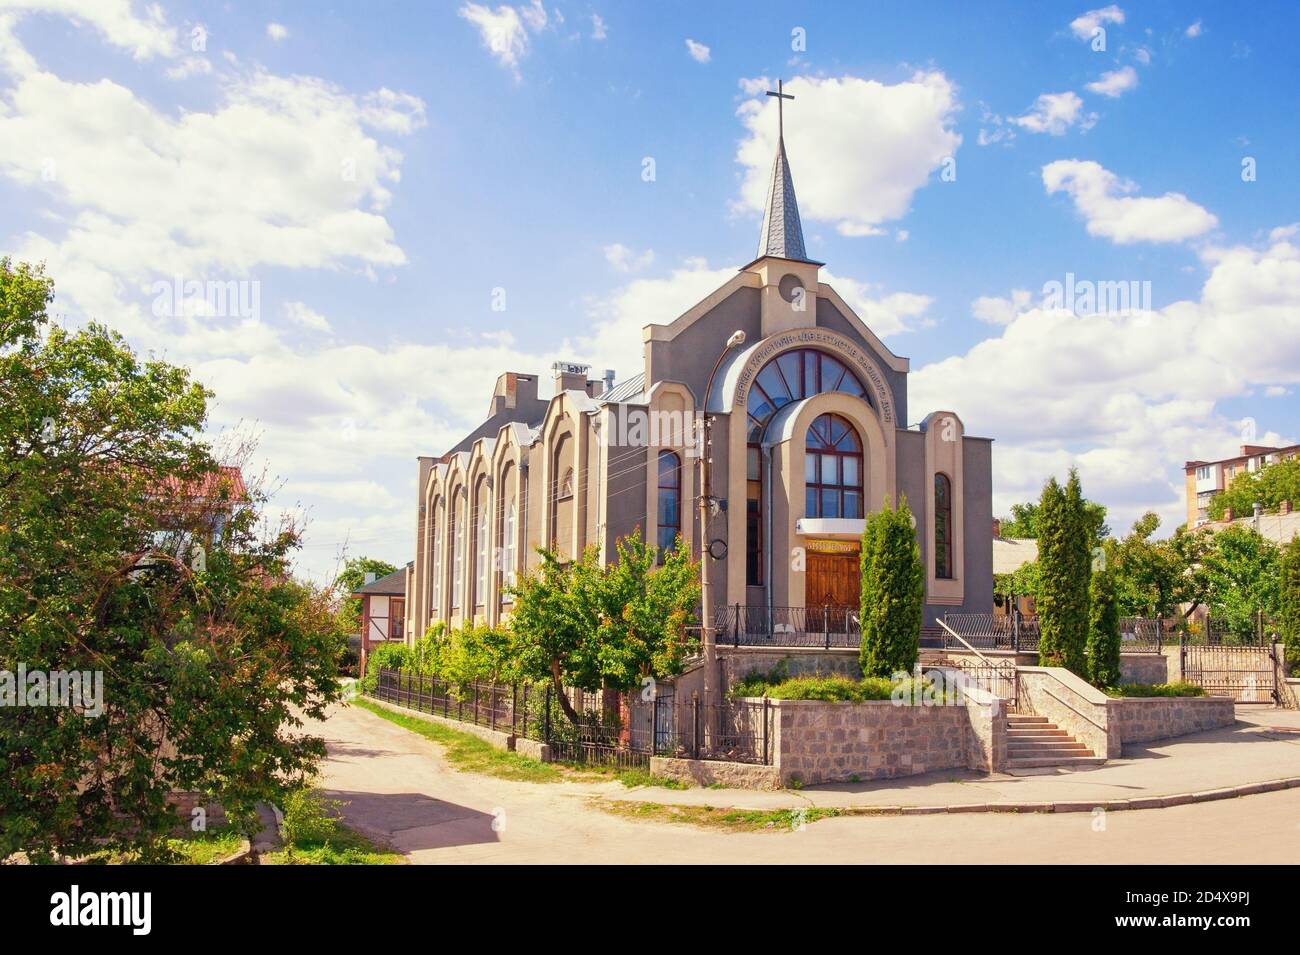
column 1284, row 507
column 609, row 381
column 997, row 529
column 370, row 577
column 570, row 376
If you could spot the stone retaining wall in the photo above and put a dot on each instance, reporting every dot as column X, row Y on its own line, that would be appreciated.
column 1142, row 719
column 1073, row 705
column 705, row 772
column 1143, row 668
column 739, row 662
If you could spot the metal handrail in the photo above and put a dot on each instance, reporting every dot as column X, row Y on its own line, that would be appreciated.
column 965, row 644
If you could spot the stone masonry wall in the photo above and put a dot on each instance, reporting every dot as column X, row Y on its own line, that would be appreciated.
column 1142, row 719
column 738, row 662
column 1073, row 705
column 1143, row 668
column 818, row 742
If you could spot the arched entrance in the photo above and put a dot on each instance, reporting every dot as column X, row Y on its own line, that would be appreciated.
column 833, row 468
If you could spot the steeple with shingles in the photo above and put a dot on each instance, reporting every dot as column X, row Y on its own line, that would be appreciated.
column 782, row 233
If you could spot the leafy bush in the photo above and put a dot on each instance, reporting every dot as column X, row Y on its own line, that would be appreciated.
column 1155, row 689
column 893, row 591
column 386, row 656
column 836, row 689
column 309, row 817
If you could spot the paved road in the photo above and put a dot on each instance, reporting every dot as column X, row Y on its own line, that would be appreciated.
column 399, row 789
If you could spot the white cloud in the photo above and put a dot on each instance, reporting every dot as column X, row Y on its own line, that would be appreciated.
column 1276, row 391
column 1101, row 198
column 1194, row 30
column 623, row 259
column 305, row 316
column 1000, row 311
column 501, row 31
column 534, row 15
column 859, row 149
column 277, row 31
column 1127, row 397
column 1086, row 24
column 698, row 51
column 1054, row 113
column 143, row 36
column 1115, row 83
column 283, row 171
column 190, row 66
column 1143, row 55
column 598, row 31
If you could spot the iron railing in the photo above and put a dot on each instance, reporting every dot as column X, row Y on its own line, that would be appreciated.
column 612, row 728
column 826, row 627
column 1021, row 632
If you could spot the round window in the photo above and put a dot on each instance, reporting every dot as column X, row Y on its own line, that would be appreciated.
column 791, row 287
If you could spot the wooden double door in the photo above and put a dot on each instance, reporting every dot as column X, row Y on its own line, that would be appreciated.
column 833, row 581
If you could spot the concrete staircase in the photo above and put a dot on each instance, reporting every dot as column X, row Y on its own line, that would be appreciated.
column 1033, row 742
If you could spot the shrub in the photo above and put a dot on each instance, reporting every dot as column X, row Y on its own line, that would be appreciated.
column 1065, row 534
column 1103, row 631
column 836, row 689
column 893, row 592
column 1155, row 689
column 309, row 817
column 386, row 656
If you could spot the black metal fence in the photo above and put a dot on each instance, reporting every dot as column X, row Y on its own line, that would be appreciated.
column 998, row 678
column 1021, row 632
column 823, row 627
column 611, row 729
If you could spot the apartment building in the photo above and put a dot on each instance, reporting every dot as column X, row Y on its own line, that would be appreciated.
column 1205, row 479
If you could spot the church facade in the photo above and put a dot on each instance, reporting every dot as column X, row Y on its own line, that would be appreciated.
column 773, row 400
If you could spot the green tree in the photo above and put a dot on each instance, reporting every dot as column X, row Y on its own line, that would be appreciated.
column 1065, row 567
column 351, row 579
column 1241, row 571
column 893, row 592
column 1155, row 577
column 1269, row 486
column 210, row 654
column 1103, row 631
column 645, row 611
column 1289, row 600
column 554, row 622
column 1023, row 522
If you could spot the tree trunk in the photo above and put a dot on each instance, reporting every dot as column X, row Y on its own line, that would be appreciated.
column 560, row 695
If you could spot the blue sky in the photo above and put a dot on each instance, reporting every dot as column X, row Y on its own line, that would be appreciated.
column 380, row 170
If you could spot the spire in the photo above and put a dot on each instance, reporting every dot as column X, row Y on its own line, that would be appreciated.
column 782, row 233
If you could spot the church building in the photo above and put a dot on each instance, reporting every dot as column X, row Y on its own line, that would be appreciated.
column 806, row 417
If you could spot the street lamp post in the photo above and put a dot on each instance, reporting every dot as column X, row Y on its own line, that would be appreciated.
column 706, row 507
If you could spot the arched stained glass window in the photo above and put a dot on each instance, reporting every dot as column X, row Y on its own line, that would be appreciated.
column 832, row 469
column 793, row 376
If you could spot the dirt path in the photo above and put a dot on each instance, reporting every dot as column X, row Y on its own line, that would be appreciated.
column 400, row 789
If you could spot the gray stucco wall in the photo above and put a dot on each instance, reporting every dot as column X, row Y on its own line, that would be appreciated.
column 828, row 316
column 977, row 522
column 689, row 358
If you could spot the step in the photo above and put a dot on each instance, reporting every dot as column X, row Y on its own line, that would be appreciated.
column 1017, row 719
column 1037, row 734
column 1066, row 761
column 1065, row 749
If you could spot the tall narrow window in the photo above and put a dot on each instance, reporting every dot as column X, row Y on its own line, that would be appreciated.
column 507, row 531
column 753, row 516
column 942, row 527
column 832, row 469
column 458, row 553
column 670, row 500
column 435, row 564
column 480, row 546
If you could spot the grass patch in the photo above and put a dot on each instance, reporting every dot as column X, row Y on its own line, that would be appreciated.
column 194, row 848
column 730, row 820
column 467, row 753
column 315, row 835
column 470, row 754
column 1155, row 689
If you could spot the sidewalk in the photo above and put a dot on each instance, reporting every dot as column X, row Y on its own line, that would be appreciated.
column 1262, row 747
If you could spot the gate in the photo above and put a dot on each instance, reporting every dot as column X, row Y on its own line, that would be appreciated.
column 1247, row 674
